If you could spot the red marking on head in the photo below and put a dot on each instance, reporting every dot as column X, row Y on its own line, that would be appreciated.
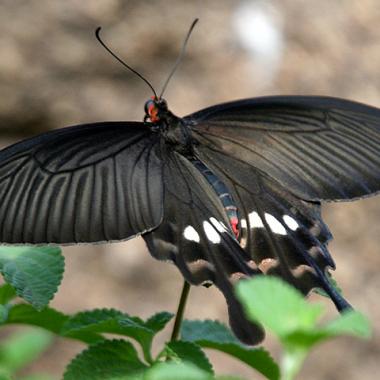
column 153, row 112
column 235, row 226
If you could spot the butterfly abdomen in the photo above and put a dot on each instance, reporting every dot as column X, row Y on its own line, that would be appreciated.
column 222, row 191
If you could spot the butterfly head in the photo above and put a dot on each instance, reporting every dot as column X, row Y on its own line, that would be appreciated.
column 155, row 109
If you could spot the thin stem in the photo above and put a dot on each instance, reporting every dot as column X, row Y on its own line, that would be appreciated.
column 292, row 363
column 180, row 311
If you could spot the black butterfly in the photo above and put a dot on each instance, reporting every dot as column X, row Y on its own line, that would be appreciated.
column 225, row 193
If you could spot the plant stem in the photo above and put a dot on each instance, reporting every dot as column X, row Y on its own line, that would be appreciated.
column 292, row 363
column 180, row 311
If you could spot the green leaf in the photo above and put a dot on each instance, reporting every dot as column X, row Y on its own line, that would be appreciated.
column 283, row 310
column 7, row 293
column 214, row 331
column 257, row 358
column 35, row 272
column 350, row 323
column 23, row 348
column 277, row 305
column 110, row 359
column 175, row 371
column 115, row 322
column 3, row 313
column 158, row 321
column 4, row 375
column 215, row 335
column 49, row 319
column 98, row 320
column 179, row 351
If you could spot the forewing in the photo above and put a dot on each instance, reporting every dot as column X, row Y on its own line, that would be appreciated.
column 284, row 235
column 319, row 148
column 194, row 235
column 87, row 183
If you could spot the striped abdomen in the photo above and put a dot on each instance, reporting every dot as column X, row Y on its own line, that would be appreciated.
column 221, row 190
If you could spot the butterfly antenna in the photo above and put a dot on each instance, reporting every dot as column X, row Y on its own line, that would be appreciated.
column 97, row 34
column 180, row 56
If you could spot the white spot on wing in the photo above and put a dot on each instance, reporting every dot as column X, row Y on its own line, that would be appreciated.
column 275, row 225
column 244, row 234
column 211, row 233
column 290, row 222
column 255, row 220
column 191, row 234
column 218, row 225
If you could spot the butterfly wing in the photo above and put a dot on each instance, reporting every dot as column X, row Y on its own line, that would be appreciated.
column 194, row 236
column 87, row 183
column 319, row 148
column 282, row 234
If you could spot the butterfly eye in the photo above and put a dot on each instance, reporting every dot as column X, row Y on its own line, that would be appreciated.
column 163, row 104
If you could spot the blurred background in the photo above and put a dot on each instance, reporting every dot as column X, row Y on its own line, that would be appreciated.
column 53, row 73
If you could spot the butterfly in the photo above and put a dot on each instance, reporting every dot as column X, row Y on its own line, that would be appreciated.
column 225, row 193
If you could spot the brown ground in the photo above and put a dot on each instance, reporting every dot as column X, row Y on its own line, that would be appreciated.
column 53, row 73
